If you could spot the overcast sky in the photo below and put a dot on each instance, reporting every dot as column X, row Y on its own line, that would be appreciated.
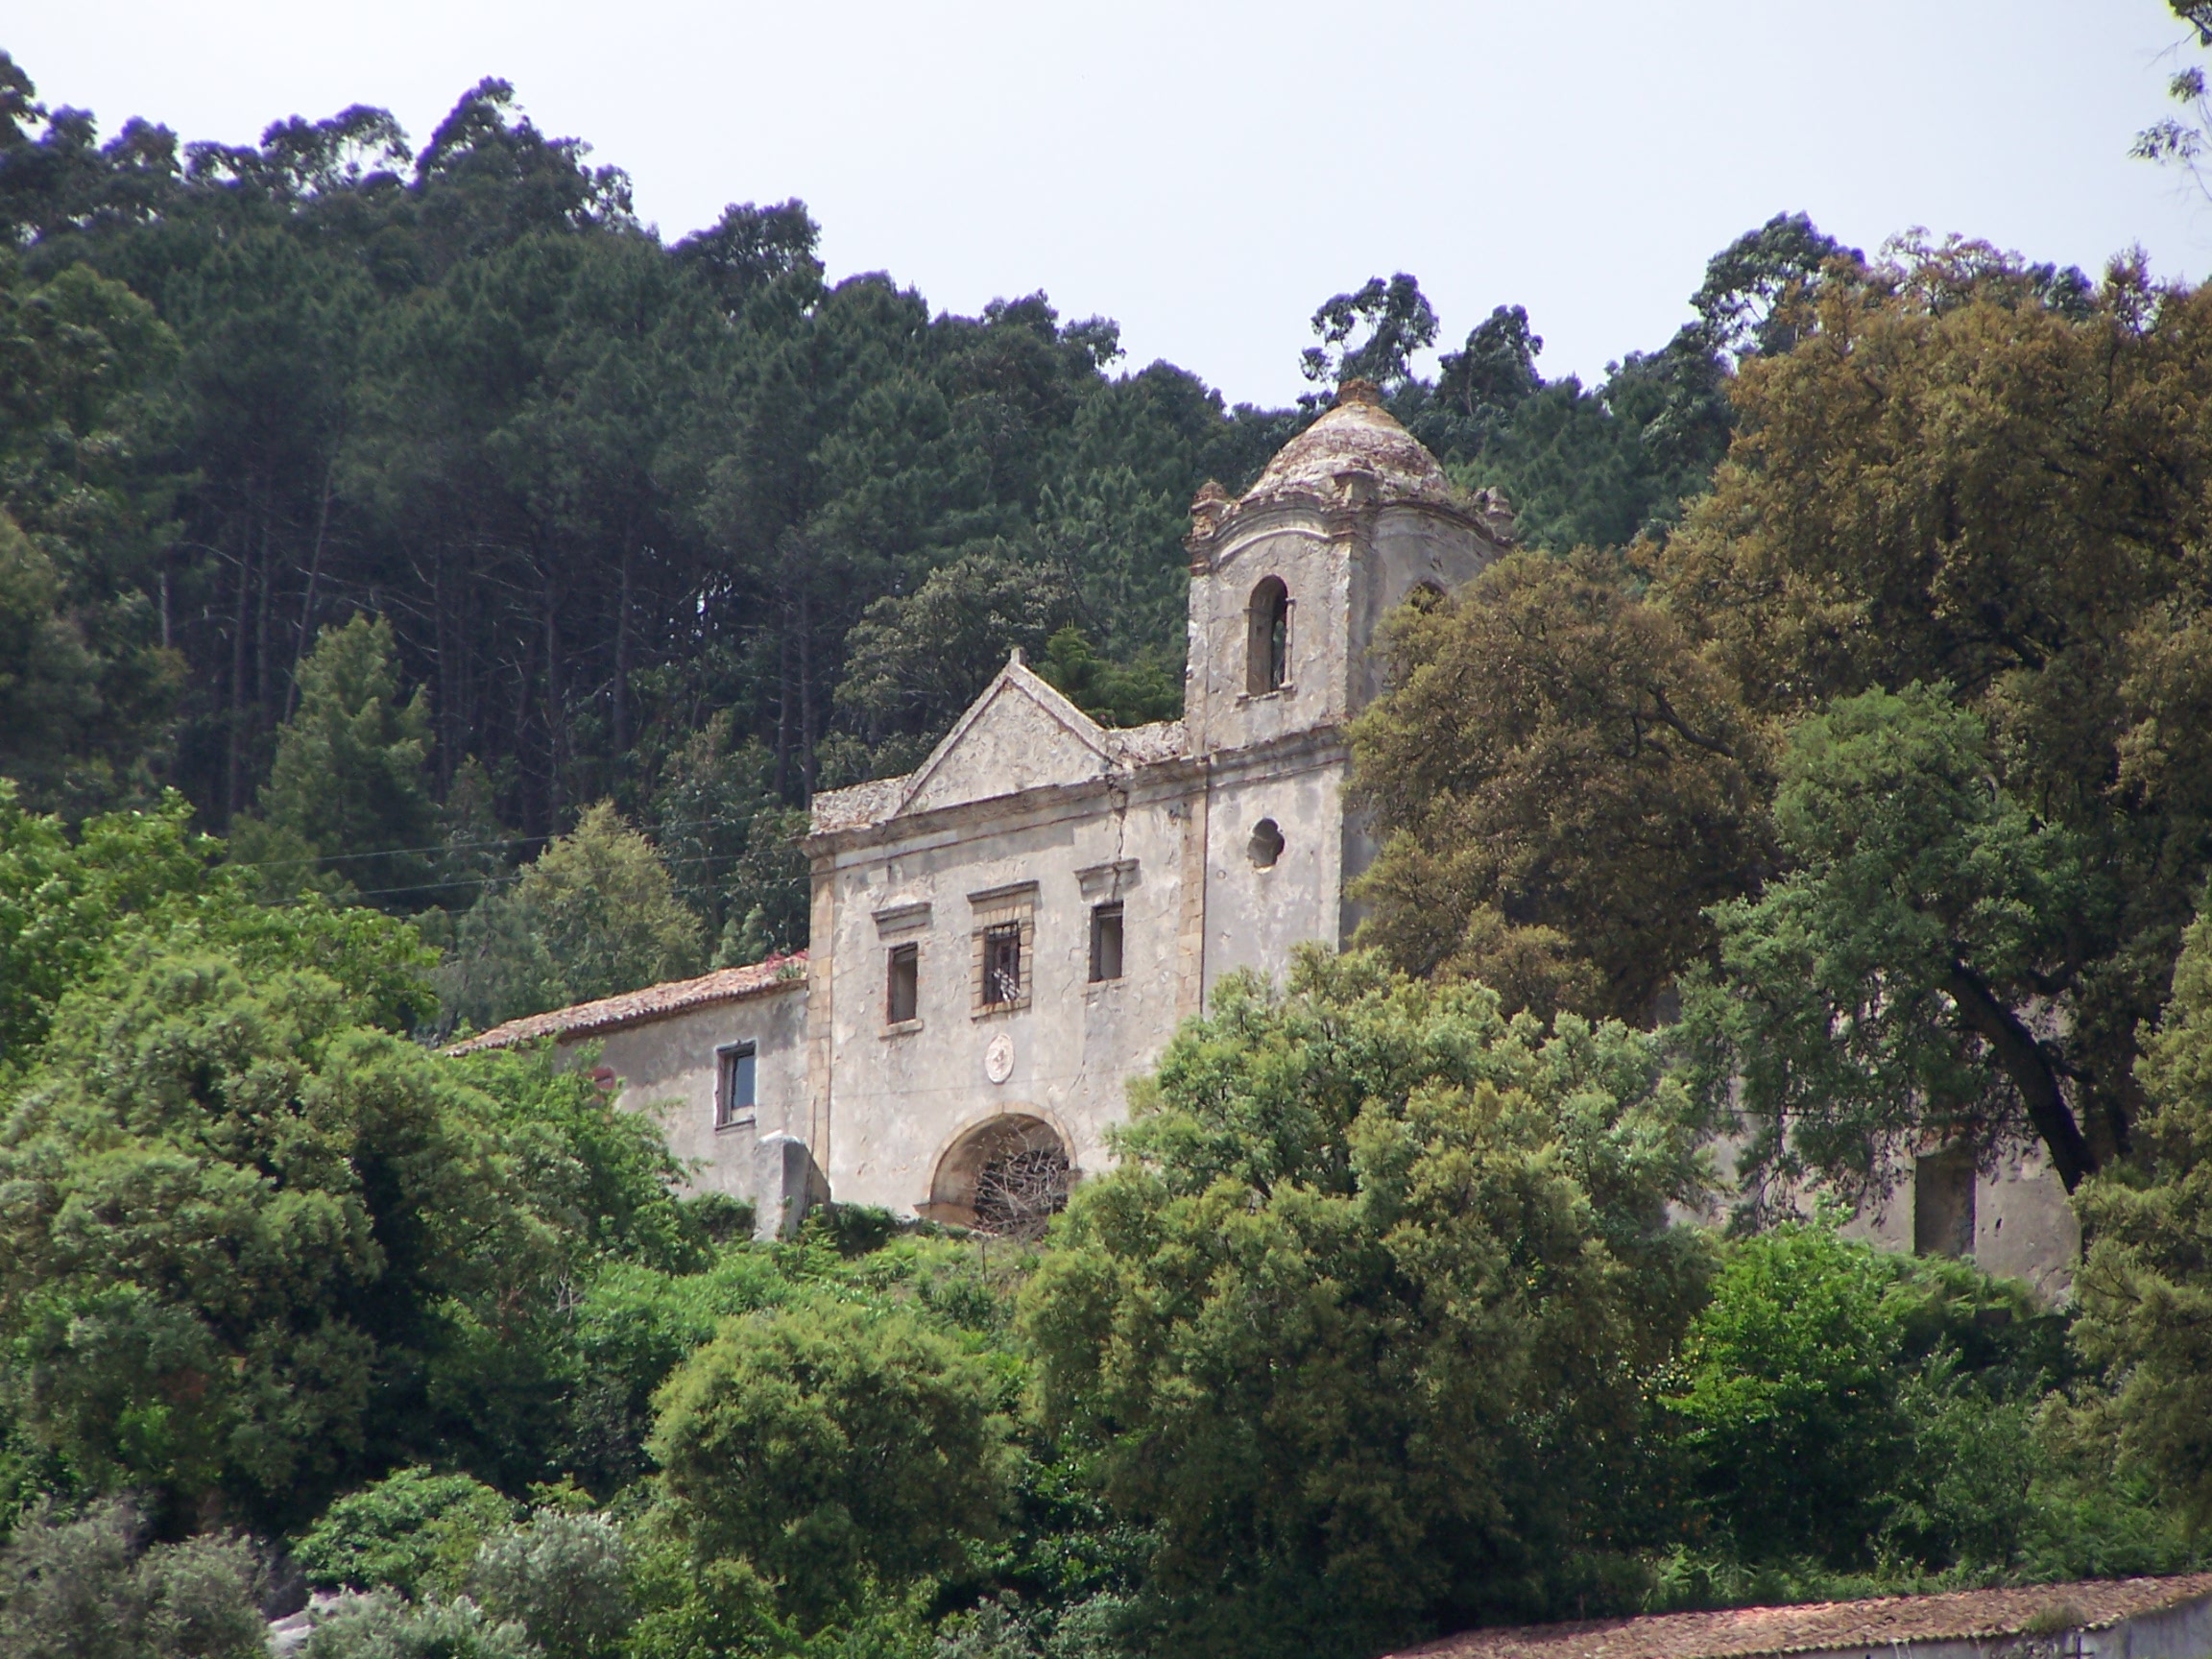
column 1209, row 173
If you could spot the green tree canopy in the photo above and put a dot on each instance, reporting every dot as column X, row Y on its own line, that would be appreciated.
column 89, row 1586
column 918, row 661
column 237, row 1207
column 834, row 1450
column 86, row 687
column 71, row 904
column 351, row 789
column 1563, row 785
column 595, row 914
column 414, row 1531
column 260, row 1243
column 2146, row 1289
column 1397, row 319
column 1360, row 1325
column 1886, row 989
column 1841, row 1404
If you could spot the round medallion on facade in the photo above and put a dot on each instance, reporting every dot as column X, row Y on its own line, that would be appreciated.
column 999, row 1058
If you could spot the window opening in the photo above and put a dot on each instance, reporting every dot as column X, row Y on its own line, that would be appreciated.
column 733, row 1085
column 1267, row 844
column 1105, row 943
column 1268, row 661
column 902, row 994
column 1002, row 965
column 1944, row 1203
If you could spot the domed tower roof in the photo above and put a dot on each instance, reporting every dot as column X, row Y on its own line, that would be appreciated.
column 1357, row 439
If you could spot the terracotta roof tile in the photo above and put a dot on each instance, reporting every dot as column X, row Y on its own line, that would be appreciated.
column 1148, row 745
column 1831, row 1626
column 653, row 1002
column 861, row 803
column 1358, row 436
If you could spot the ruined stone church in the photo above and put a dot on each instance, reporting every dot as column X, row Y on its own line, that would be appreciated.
column 1002, row 938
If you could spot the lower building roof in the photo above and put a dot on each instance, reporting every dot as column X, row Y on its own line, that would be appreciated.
column 638, row 1007
column 1870, row 1626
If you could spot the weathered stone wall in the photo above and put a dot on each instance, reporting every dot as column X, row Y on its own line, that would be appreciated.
column 668, row 1068
column 2022, row 1225
column 1257, row 913
column 901, row 1096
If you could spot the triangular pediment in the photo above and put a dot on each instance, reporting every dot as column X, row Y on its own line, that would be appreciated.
column 1019, row 734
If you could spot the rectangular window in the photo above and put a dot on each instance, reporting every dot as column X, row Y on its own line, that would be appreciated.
column 1005, row 937
column 903, row 992
column 1002, row 965
column 1105, row 943
column 734, row 1083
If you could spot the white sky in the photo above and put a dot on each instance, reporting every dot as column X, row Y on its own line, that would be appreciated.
column 1209, row 173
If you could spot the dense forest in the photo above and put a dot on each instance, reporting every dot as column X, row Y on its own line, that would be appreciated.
column 690, row 528
column 427, row 596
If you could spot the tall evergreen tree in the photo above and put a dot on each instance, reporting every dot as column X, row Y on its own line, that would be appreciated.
column 350, row 787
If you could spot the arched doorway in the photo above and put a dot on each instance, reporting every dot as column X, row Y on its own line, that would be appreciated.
column 1008, row 1176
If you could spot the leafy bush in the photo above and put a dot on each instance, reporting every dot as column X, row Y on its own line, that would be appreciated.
column 1359, row 1323
column 382, row 1627
column 413, row 1532
column 2146, row 1289
column 1788, row 1388
column 834, row 1449
column 83, row 1587
column 1847, row 1409
column 562, row 1577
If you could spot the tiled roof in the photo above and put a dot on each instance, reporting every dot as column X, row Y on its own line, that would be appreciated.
column 637, row 1007
column 1357, row 436
column 1148, row 745
column 1832, row 1627
column 861, row 803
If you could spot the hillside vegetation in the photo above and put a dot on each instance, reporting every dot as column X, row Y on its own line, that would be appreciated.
column 428, row 596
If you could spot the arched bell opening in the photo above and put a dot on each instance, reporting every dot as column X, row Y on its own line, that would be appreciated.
column 1267, row 643
column 1008, row 1177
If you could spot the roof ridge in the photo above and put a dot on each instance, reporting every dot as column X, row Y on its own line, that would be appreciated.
column 1829, row 1627
column 646, row 1003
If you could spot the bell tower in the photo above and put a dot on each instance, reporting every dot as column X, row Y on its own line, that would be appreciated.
column 1289, row 583
column 1288, row 588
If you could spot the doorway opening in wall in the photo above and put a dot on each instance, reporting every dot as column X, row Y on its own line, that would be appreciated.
column 1008, row 1177
column 736, row 1074
column 1105, row 943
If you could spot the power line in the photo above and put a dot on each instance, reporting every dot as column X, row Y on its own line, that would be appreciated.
column 514, row 876
column 441, row 847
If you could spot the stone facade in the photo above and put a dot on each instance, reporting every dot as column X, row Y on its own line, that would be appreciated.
column 1004, row 937
column 1126, row 871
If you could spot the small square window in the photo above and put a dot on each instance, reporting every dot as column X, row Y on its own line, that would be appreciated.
column 1105, row 943
column 733, row 1084
column 903, row 991
column 1002, row 965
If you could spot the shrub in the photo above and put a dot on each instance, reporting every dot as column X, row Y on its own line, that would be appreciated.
column 834, row 1448
column 412, row 1531
column 82, row 1587
column 562, row 1577
column 382, row 1627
